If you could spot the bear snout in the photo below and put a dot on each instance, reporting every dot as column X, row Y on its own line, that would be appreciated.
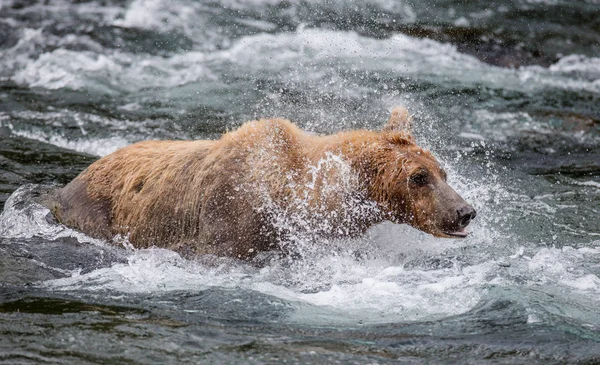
column 465, row 215
column 454, row 224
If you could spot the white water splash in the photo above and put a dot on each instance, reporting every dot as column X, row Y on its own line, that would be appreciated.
column 194, row 19
column 42, row 126
column 111, row 72
column 345, row 290
column 307, row 218
column 24, row 218
column 293, row 57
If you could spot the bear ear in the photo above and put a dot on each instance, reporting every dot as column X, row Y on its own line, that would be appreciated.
column 400, row 120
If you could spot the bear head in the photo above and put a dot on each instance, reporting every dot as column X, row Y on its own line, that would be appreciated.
column 409, row 185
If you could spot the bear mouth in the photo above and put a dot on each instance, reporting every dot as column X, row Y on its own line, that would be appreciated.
column 461, row 233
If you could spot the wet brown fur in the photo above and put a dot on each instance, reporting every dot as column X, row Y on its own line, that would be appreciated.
column 200, row 197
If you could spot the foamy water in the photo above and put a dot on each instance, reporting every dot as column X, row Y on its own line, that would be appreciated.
column 304, row 49
column 297, row 60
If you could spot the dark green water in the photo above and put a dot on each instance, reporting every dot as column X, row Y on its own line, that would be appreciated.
column 506, row 93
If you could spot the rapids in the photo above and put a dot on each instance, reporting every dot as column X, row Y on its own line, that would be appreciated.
column 505, row 93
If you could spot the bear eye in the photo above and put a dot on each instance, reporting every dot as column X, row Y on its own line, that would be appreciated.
column 420, row 178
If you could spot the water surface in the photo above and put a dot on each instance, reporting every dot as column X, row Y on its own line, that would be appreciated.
column 506, row 94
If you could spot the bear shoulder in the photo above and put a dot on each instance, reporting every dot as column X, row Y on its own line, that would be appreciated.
column 264, row 130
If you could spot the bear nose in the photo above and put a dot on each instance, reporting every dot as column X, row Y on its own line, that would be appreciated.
column 465, row 215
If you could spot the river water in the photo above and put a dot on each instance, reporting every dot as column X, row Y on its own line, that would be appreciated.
column 505, row 93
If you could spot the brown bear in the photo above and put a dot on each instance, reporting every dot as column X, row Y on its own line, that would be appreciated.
column 254, row 187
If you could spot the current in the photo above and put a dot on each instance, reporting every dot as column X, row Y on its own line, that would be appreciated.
column 505, row 93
